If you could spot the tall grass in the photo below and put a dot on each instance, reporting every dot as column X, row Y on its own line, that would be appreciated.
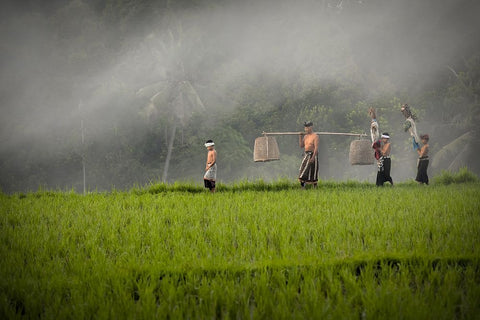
column 346, row 250
column 462, row 176
column 444, row 178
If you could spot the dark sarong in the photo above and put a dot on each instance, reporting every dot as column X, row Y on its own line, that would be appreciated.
column 210, row 184
column 422, row 166
column 309, row 170
column 383, row 174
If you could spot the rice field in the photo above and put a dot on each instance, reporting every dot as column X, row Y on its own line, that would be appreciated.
column 250, row 251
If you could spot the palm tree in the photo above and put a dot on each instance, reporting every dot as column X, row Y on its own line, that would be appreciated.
column 174, row 96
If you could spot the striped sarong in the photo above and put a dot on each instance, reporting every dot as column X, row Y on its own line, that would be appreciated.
column 309, row 170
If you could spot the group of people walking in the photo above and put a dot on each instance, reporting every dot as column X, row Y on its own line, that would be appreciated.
column 382, row 150
column 309, row 141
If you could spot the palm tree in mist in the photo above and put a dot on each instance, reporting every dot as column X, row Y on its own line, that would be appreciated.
column 174, row 97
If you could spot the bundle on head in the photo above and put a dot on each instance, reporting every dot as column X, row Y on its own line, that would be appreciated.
column 407, row 112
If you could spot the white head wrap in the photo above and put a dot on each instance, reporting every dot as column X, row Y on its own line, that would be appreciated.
column 209, row 144
column 385, row 136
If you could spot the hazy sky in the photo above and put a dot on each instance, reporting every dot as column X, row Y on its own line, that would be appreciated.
column 402, row 40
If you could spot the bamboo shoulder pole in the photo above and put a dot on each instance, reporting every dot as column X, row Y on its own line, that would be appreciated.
column 319, row 133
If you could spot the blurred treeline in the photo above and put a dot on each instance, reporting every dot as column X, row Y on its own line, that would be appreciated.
column 131, row 90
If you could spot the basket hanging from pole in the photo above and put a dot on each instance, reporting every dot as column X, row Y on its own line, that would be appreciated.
column 265, row 149
column 361, row 152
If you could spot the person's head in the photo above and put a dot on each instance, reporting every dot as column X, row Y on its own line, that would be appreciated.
column 209, row 145
column 385, row 137
column 424, row 138
column 372, row 113
column 308, row 126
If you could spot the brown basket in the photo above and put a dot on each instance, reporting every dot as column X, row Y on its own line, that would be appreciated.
column 361, row 152
column 265, row 149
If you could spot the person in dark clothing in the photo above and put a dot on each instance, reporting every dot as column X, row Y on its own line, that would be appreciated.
column 383, row 174
column 423, row 160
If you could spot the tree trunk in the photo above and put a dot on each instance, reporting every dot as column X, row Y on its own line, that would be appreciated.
column 169, row 152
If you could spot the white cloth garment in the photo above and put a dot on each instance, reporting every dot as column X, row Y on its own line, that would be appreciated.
column 374, row 133
column 413, row 129
column 211, row 173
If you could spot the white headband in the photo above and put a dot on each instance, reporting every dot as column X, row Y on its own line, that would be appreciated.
column 209, row 144
column 385, row 136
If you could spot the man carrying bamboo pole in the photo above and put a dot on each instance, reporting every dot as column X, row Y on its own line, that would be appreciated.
column 309, row 166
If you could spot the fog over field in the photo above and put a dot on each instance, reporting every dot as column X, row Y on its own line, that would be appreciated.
column 85, row 69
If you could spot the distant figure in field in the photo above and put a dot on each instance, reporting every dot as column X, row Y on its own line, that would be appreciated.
column 423, row 160
column 211, row 166
column 410, row 125
column 383, row 174
column 374, row 133
column 309, row 166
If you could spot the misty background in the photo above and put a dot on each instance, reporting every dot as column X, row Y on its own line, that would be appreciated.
column 131, row 90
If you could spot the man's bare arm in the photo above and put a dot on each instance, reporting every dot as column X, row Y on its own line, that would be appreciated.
column 301, row 142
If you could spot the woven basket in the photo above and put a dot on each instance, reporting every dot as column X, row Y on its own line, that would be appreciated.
column 265, row 149
column 361, row 153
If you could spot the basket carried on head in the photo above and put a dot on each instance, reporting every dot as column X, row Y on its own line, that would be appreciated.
column 361, row 152
column 265, row 149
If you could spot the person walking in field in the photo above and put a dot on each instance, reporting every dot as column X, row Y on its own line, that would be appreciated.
column 211, row 167
column 423, row 160
column 383, row 174
column 309, row 166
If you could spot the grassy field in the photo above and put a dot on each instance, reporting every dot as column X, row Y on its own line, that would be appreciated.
column 250, row 251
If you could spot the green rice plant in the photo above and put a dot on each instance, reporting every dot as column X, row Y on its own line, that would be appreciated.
column 462, row 176
column 339, row 251
column 465, row 176
column 445, row 178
